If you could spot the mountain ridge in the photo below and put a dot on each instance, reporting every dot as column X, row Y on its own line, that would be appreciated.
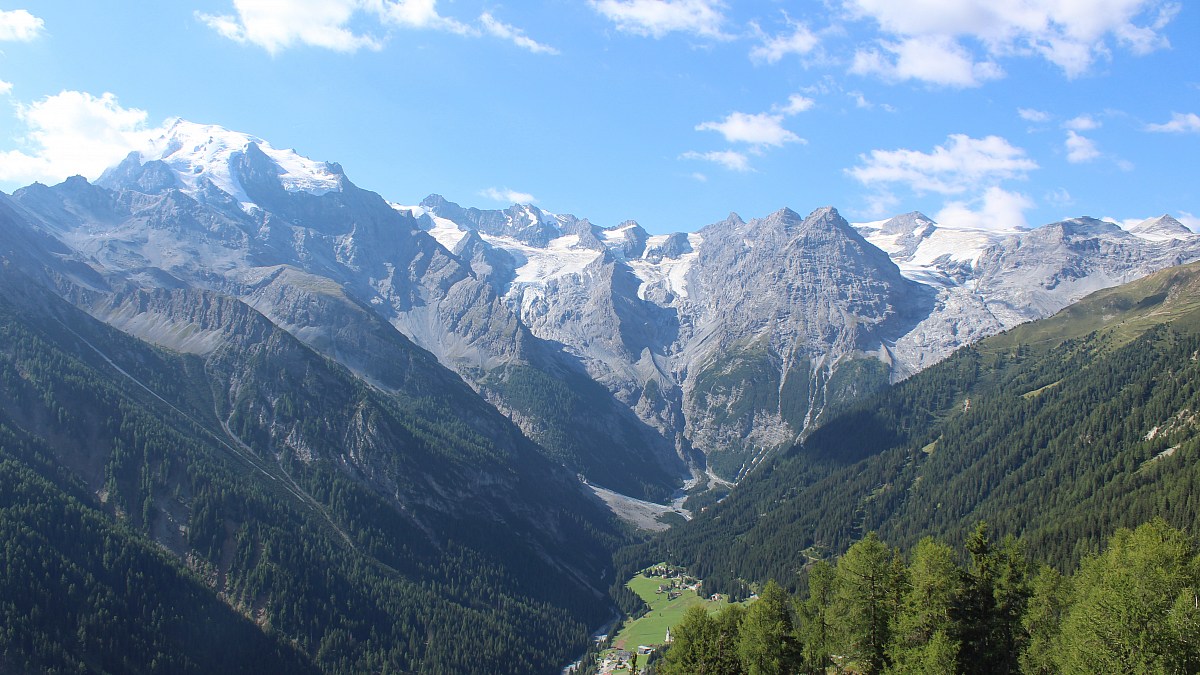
column 329, row 512
column 645, row 325
column 1057, row 431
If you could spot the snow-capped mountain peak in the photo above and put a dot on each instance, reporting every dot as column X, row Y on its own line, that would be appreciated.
column 198, row 152
column 926, row 251
column 1162, row 228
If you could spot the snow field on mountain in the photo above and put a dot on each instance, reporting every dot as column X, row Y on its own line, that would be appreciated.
column 202, row 151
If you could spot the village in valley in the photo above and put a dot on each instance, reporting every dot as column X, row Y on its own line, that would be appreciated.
column 668, row 591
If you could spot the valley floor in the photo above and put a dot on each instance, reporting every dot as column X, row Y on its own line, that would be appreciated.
column 642, row 514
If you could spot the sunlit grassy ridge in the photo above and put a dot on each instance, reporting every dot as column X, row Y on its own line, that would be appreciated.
column 1122, row 313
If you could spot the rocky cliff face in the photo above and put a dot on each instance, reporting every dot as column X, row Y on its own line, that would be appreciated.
column 736, row 339
column 776, row 307
column 729, row 339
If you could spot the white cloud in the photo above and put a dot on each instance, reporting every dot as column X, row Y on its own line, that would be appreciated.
column 761, row 129
column 513, row 34
column 879, row 205
column 773, row 48
column 996, row 209
column 1069, row 33
column 71, row 133
column 962, row 164
column 1082, row 123
column 226, row 26
column 420, row 14
column 699, row 177
column 276, row 25
column 1124, row 223
column 1059, row 197
column 507, row 196
column 656, row 18
column 730, row 159
column 1080, row 149
column 795, row 105
column 1032, row 115
column 18, row 25
column 936, row 60
column 1189, row 221
column 1180, row 124
column 5, row 88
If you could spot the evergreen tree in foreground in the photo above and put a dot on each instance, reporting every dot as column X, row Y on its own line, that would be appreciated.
column 864, row 603
column 1135, row 608
column 767, row 644
column 991, row 603
column 816, row 629
column 922, row 633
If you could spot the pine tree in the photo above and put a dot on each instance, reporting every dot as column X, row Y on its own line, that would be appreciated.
column 989, row 609
column 921, row 633
column 1135, row 606
column 815, row 630
column 703, row 644
column 1049, row 599
column 865, row 588
column 768, row 643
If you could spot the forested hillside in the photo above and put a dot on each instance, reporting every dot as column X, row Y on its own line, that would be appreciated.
column 84, row 594
column 1057, row 432
column 149, row 498
column 1131, row 609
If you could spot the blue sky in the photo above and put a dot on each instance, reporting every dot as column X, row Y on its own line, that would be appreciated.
column 669, row 112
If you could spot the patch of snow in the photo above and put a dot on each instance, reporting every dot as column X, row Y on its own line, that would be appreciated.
column 960, row 245
column 616, row 235
column 559, row 258
column 656, row 241
column 942, row 244
column 925, row 275
column 445, row 231
column 301, row 174
column 888, row 243
column 670, row 273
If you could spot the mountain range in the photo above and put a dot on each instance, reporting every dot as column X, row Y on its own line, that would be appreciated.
column 1056, row 432
column 734, row 340
column 633, row 359
column 218, row 343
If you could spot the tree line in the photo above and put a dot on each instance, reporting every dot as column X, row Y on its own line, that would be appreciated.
column 1133, row 608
